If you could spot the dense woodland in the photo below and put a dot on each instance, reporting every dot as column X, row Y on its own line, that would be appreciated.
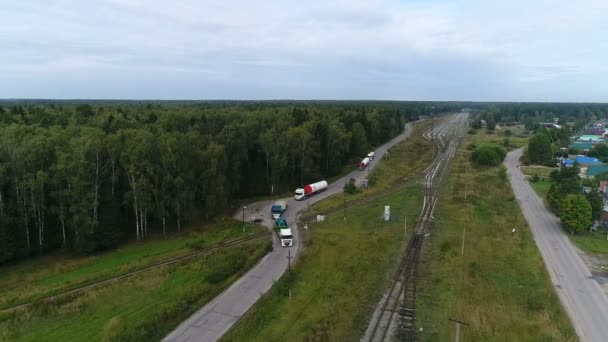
column 85, row 177
column 531, row 114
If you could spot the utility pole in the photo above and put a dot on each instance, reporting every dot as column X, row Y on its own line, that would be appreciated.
column 405, row 228
column 289, row 257
column 367, row 185
column 458, row 323
column 464, row 229
column 344, row 206
column 244, row 208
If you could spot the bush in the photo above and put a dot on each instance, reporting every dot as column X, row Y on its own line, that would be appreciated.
column 490, row 155
column 350, row 188
column 472, row 131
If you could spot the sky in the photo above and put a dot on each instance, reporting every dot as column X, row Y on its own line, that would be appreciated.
column 477, row 50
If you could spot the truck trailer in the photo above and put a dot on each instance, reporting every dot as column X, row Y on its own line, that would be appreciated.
column 277, row 209
column 363, row 164
column 284, row 232
column 309, row 190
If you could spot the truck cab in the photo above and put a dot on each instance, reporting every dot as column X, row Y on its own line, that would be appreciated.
column 286, row 237
column 299, row 195
column 277, row 209
column 284, row 232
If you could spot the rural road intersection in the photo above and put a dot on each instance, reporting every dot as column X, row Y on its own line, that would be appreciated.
column 212, row 321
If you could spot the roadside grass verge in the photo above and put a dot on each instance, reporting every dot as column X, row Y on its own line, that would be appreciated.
column 38, row 278
column 541, row 187
column 142, row 308
column 339, row 278
column 594, row 242
column 406, row 160
column 499, row 286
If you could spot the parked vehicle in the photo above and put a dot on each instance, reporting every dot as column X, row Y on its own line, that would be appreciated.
column 309, row 190
column 364, row 163
column 284, row 232
column 371, row 155
column 277, row 209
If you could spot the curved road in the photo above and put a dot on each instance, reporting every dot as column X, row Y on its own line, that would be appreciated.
column 581, row 296
column 212, row 321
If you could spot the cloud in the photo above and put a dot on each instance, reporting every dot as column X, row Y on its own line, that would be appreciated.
column 464, row 49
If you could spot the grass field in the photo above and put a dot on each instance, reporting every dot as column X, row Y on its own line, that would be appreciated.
column 499, row 286
column 496, row 137
column 143, row 308
column 541, row 187
column 595, row 242
column 536, row 170
column 341, row 275
column 38, row 278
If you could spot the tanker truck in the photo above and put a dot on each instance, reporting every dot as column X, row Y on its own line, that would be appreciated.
column 284, row 232
column 309, row 190
column 363, row 164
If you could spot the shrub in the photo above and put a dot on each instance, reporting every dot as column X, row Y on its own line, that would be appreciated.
column 490, row 155
column 350, row 188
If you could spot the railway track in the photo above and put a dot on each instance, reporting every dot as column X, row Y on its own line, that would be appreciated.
column 396, row 312
column 124, row 276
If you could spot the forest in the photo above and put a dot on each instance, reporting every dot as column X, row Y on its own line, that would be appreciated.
column 86, row 176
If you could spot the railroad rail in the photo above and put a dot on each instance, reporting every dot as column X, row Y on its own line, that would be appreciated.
column 124, row 276
column 400, row 298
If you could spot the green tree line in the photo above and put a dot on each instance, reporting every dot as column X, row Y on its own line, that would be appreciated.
column 84, row 176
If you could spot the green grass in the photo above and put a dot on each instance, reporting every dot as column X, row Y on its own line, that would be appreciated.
column 541, row 187
column 537, row 170
column 497, row 137
column 38, row 278
column 142, row 308
column 341, row 275
column 499, row 286
column 594, row 242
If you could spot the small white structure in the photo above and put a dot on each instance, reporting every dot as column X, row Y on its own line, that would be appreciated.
column 387, row 213
column 320, row 218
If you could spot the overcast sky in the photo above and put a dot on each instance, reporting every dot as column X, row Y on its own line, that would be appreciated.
column 516, row 50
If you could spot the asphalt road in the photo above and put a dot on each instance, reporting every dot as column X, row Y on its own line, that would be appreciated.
column 212, row 321
column 581, row 296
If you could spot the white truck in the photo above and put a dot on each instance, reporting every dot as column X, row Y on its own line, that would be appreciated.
column 284, row 232
column 371, row 155
column 310, row 189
